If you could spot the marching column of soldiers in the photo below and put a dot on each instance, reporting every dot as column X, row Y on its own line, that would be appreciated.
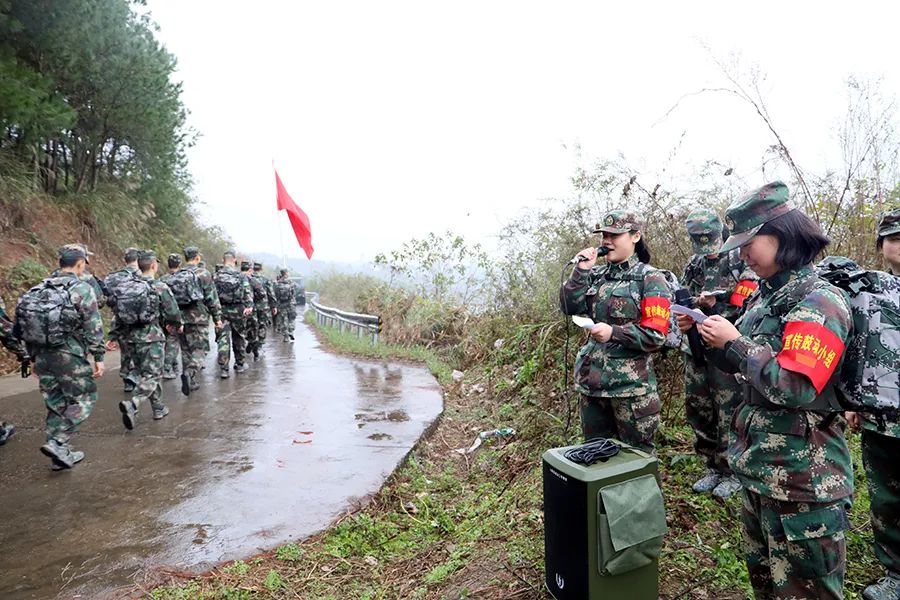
column 58, row 332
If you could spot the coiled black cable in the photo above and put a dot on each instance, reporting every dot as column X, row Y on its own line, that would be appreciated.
column 601, row 449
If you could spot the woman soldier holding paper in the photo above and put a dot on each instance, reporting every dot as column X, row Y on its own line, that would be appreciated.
column 787, row 443
column 629, row 301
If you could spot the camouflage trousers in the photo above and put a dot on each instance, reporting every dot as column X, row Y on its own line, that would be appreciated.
column 173, row 345
column 194, row 346
column 232, row 337
column 795, row 550
column 126, row 364
column 264, row 321
column 631, row 419
column 880, row 460
column 284, row 321
column 252, row 334
column 69, row 390
column 148, row 359
column 710, row 397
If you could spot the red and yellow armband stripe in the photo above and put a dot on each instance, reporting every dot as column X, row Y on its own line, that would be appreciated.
column 742, row 291
column 810, row 349
column 655, row 313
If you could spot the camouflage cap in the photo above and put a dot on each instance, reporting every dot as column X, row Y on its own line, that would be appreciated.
column 748, row 214
column 705, row 230
column 890, row 223
column 72, row 252
column 191, row 252
column 257, row 266
column 245, row 265
column 620, row 221
column 283, row 271
column 145, row 255
column 230, row 253
column 173, row 260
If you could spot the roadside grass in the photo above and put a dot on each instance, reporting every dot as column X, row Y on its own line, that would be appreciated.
column 451, row 525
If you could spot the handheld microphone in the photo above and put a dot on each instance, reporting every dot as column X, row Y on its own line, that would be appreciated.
column 601, row 251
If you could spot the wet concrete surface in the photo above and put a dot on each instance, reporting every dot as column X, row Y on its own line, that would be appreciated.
column 242, row 465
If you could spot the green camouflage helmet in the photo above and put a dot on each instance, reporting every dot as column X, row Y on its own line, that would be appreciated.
column 620, row 221
column 705, row 230
column 746, row 215
column 890, row 223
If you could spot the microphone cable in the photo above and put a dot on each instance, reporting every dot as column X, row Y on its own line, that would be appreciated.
column 599, row 450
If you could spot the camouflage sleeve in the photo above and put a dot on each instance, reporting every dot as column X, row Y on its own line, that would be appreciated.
column 210, row 296
column 744, row 283
column 573, row 293
column 168, row 306
column 9, row 341
column 85, row 302
column 649, row 334
column 270, row 293
column 100, row 291
column 813, row 340
column 688, row 274
column 248, row 292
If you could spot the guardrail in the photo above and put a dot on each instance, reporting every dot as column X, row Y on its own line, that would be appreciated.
column 326, row 315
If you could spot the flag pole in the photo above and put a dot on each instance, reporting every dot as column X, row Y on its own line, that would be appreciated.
column 280, row 229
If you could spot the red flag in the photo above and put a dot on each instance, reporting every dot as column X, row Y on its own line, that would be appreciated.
column 298, row 218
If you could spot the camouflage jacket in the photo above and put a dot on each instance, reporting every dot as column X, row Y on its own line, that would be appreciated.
column 288, row 303
column 200, row 312
column 270, row 293
column 88, row 338
column 9, row 341
column 634, row 299
column 725, row 272
column 99, row 288
column 235, row 311
column 260, row 295
column 169, row 314
column 892, row 426
column 788, row 356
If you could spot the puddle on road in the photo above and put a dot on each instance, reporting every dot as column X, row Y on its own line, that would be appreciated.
column 381, row 436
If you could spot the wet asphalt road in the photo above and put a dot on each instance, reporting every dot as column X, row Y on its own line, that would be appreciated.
column 244, row 464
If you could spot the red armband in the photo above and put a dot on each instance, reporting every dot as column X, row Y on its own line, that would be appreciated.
column 742, row 291
column 655, row 313
column 810, row 349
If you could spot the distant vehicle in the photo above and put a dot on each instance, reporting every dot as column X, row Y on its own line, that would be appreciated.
column 301, row 290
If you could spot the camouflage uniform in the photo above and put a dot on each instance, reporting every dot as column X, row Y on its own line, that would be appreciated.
column 173, row 344
column 195, row 337
column 147, row 346
column 879, row 451
column 616, row 378
column 127, row 369
column 287, row 310
column 233, row 336
column 711, row 394
column 791, row 457
column 9, row 341
column 260, row 305
column 264, row 309
column 64, row 374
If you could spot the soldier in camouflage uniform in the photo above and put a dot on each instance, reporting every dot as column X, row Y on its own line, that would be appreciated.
column 719, row 284
column 260, row 304
column 286, row 305
column 110, row 283
column 236, row 297
column 195, row 337
column 267, row 310
column 787, row 444
column 629, row 302
column 173, row 338
column 9, row 341
column 65, row 376
column 147, row 341
column 880, row 450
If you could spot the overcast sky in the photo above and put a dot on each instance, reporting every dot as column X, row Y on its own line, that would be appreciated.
column 391, row 119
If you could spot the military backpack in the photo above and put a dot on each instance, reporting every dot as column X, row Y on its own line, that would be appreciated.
column 870, row 376
column 46, row 315
column 284, row 292
column 230, row 287
column 136, row 302
column 185, row 287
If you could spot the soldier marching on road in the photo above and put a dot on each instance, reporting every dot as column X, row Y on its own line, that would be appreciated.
column 145, row 310
column 286, row 309
column 60, row 323
column 264, row 311
column 197, row 297
column 173, row 338
column 9, row 341
column 236, row 297
column 260, row 305
column 126, row 369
